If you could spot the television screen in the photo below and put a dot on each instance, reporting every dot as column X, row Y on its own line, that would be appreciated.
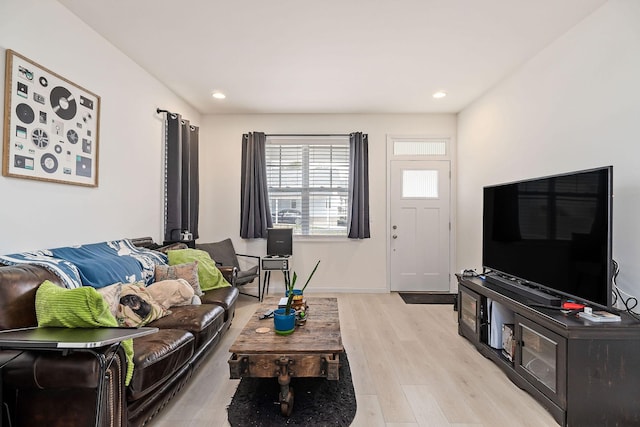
column 553, row 233
column 279, row 241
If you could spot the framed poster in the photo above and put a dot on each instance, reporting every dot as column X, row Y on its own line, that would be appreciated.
column 51, row 126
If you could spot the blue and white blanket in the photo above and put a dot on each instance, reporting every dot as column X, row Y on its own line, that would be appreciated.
column 95, row 264
column 65, row 270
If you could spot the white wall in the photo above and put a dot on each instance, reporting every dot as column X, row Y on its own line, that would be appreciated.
column 574, row 106
column 128, row 201
column 347, row 265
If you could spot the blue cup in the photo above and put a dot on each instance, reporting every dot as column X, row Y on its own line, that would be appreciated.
column 284, row 324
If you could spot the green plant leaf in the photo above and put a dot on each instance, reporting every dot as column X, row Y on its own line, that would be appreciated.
column 310, row 276
column 292, row 285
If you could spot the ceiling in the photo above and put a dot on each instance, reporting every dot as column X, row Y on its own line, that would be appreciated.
column 330, row 56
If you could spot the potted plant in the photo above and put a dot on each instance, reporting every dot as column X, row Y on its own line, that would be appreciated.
column 285, row 318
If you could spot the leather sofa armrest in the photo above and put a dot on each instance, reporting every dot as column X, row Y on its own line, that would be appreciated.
column 57, row 370
column 49, row 388
column 230, row 273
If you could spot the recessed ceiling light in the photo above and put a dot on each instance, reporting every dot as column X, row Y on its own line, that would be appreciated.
column 439, row 94
column 219, row 95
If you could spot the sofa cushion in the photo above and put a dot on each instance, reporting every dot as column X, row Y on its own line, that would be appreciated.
column 171, row 293
column 158, row 357
column 224, row 297
column 203, row 321
column 187, row 271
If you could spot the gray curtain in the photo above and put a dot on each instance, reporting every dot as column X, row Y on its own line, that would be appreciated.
column 359, row 186
column 190, row 178
column 181, row 178
column 255, row 214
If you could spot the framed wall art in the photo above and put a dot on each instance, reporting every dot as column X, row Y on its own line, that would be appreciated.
column 51, row 126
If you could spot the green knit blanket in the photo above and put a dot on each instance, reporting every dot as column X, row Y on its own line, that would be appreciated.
column 78, row 308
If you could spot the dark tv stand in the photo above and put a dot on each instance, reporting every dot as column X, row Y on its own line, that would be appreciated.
column 583, row 373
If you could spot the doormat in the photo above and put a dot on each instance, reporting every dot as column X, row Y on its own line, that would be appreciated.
column 427, row 298
column 316, row 401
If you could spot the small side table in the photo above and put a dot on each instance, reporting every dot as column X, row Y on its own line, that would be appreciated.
column 67, row 340
column 275, row 263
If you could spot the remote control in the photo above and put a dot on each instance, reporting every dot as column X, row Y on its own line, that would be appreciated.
column 266, row 315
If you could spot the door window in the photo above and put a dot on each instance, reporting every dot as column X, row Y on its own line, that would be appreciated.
column 419, row 184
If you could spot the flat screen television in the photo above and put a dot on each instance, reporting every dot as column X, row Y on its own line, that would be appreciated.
column 553, row 234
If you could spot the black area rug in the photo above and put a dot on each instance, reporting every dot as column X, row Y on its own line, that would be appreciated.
column 427, row 298
column 316, row 402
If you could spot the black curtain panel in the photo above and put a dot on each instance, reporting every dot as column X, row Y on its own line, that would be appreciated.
column 173, row 178
column 359, row 186
column 255, row 214
column 190, row 178
column 181, row 178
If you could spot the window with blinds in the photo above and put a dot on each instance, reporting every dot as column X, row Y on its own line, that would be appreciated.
column 308, row 184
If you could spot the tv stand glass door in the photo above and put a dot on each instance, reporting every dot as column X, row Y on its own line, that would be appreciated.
column 541, row 359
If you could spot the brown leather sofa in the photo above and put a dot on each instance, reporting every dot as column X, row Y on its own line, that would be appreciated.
column 54, row 389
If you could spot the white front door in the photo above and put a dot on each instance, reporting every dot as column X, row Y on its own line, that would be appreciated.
column 420, row 225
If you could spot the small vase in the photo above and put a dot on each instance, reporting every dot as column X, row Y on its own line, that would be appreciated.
column 296, row 292
column 284, row 324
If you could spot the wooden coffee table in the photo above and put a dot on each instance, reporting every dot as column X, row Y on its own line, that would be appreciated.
column 311, row 351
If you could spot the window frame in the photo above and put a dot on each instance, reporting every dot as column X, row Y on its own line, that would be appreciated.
column 307, row 225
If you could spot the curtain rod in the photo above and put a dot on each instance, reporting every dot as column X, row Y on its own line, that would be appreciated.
column 174, row 115
column 308, row 134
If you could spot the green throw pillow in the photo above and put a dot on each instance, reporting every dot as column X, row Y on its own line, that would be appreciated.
column 208, row 274
column 77, row 308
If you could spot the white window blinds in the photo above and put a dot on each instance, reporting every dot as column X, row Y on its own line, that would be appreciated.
column 308, row 180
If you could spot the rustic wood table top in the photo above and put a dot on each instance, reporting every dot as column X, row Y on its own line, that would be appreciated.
column 320, row 333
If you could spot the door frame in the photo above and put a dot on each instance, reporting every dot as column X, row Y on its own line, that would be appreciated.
column 449, row 156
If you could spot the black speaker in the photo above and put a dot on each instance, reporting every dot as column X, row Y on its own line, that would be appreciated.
column 279, row 241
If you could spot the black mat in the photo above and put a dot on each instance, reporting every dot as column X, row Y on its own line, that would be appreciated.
column 427, row 298
column 317, row 401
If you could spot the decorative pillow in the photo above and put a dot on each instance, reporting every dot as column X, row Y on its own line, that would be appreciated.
column 77, row 308
column 71, row 308
column 111, row 295
column 171, row 293
column 137, row 306
column 188, row 272
column 208, row 274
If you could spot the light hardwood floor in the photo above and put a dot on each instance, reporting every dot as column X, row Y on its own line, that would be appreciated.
column 409, row 366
